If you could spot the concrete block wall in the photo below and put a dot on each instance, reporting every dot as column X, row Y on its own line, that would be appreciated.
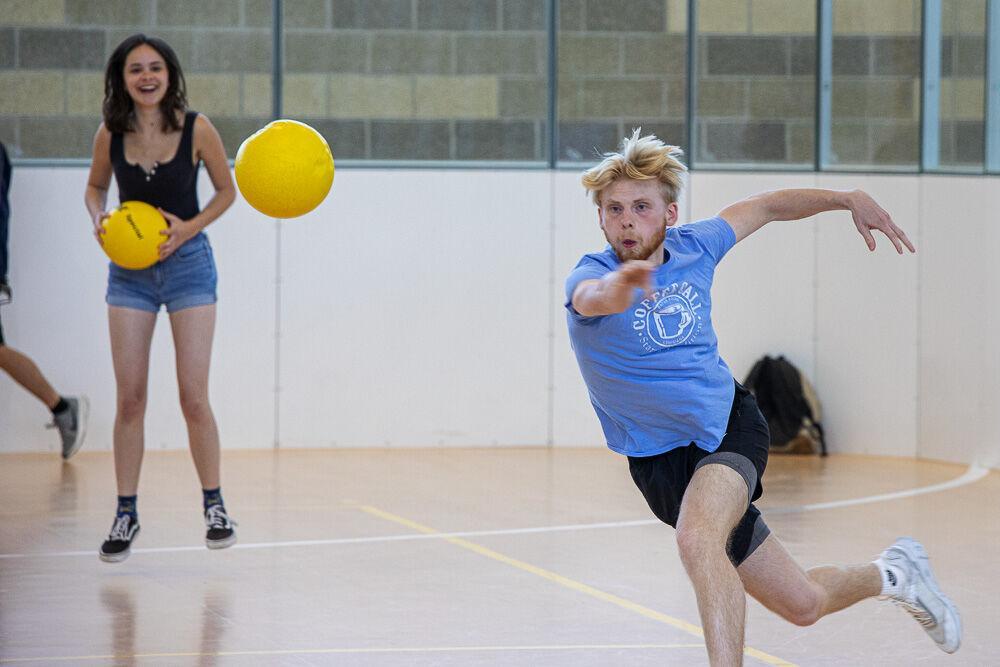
column 756, row 71
column 756, row 99
column 621, row 65
column 52, row 58
column 467, row 79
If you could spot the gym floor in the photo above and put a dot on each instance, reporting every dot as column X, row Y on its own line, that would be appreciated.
column 458, row 557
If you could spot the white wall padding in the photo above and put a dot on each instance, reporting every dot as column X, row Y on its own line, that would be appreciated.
column 425, row 308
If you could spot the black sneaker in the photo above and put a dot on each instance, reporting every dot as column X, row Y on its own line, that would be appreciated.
column 220, row 532
column 118, row 546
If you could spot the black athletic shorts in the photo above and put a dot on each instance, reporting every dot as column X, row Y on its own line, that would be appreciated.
column 1, row 332
column 664, row 478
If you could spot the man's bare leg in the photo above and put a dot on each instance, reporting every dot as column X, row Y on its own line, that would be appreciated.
column 715, row 500
column 777, row 581
column 774, row 579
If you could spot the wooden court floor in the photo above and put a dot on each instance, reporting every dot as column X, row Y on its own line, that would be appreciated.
column 458, row 557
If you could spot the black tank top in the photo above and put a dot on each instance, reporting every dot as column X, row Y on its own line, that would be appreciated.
column 172, row 185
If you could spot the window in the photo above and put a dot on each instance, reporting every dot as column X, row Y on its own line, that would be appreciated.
column 52, row 59
column 875, row 102
column 621, row 65
column 403, row 81
column 756, row 83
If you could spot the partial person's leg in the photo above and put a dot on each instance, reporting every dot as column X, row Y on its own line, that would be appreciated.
column 715, row 500
column 26, row 373
column 69, row 414
column 193, row 329
column 775, row 580
column 131, row 335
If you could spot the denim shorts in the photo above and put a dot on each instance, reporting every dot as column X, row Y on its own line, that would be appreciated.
column 185, row 279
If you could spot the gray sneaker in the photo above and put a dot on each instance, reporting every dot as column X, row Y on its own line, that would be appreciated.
column 72, row 424
column 921, row 596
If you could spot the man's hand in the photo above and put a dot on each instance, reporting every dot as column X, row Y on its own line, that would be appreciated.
column 635, row 273
column 868, row 215
column 614, row 292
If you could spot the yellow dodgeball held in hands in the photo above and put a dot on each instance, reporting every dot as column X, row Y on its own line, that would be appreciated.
column 285, row 169
column 132, row 235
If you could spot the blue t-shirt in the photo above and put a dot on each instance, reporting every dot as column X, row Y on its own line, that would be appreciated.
column 654, row 372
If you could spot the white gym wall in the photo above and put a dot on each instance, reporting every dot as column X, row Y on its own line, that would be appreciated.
column 425, row 308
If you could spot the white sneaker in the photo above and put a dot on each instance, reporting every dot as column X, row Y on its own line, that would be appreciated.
column 921, row 596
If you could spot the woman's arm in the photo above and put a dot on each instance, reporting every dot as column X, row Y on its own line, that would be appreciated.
column 95, row 196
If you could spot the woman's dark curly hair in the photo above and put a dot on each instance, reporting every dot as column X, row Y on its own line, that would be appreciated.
column 119, row 109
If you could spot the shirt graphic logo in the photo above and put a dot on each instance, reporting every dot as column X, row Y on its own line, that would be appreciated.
column 668, row 317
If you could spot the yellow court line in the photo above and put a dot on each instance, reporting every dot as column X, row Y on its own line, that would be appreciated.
column 569, row 583
column 358, row 650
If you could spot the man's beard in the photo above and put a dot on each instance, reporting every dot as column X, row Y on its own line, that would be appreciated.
column 640, row 250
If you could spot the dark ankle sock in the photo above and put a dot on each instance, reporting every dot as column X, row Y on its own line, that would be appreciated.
column 61, row 406
column 127, row 505
column 211, row 497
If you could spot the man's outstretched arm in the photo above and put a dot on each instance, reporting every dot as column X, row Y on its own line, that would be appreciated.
column 748, row 215
column 615, row 291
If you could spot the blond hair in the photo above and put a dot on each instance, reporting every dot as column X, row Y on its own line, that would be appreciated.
column 641, row 159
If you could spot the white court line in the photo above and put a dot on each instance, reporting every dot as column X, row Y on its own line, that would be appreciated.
column 973, row 474
column 361, row 650
column 361, row 540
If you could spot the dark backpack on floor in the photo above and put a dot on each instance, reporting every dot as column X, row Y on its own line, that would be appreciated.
column 790, row 406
